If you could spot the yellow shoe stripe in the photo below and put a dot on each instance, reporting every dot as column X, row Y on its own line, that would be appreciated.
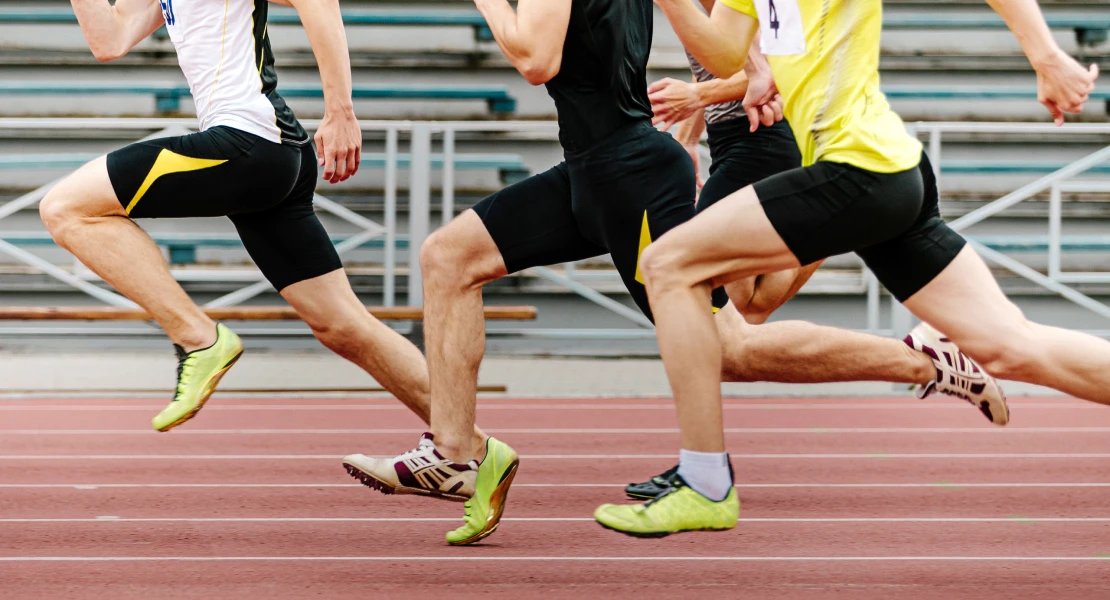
column 168, row 163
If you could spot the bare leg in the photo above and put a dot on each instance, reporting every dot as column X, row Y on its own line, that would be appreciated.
column 801, row 352
column 340, row 321
column 679, row 270
column 84, row 217
column 457, row 260
column 965, row 302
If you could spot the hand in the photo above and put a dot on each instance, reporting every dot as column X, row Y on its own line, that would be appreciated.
column 339, row 145
column 1063, row 85
column 672, row 101
column 696, row 157
column 762, row 102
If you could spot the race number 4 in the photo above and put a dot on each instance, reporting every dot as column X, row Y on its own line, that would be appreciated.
column 780, row 22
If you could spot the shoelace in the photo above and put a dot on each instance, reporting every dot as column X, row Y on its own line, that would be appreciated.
column 182, row 362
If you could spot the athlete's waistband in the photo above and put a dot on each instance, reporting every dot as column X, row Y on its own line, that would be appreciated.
column 627, row 131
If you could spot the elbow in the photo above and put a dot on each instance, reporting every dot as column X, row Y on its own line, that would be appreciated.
column 539, row 72
column 106, row 53
column 106, row 56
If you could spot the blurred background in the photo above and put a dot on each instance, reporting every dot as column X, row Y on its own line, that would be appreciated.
column 447, row 121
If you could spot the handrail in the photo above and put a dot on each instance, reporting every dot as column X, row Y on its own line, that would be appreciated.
column 238, row 313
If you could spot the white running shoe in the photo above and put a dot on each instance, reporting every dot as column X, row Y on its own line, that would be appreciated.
column 958, row 375
column 422, row 470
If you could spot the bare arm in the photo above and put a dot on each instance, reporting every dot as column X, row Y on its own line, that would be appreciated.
column 720, row 42
column 113, row 31
column 531, row 37
column 1063, row 85
column 339, row 139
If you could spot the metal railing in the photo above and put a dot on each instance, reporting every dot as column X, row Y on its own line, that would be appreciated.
column 421, row 137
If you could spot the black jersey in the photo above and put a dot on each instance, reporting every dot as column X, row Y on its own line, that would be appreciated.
column 602, row 82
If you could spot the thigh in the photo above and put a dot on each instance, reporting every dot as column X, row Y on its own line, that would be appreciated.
column 87, row 192
column 533, row 224
column 217, row 172
column 965, row 302
column 287, row 241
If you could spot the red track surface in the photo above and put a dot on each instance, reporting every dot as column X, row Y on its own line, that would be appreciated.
column 841, row 498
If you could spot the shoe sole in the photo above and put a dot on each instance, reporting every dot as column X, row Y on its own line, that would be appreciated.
column 497, row 506
column 634, row 496
column 659, row 534
column 374, row 483
column 208, row 391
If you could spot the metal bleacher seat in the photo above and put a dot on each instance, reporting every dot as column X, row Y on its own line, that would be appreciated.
column 1089, row 29
column 368, row 17
column 168, row 95
column 980, row 92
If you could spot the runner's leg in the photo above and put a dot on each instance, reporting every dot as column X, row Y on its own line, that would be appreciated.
column 82, row 214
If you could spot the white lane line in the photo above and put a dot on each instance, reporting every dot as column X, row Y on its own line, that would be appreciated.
column 671, row 456
column 901, row 404
column 577, row 431
column 751, row 486
column 473, row 558
column 117, row 519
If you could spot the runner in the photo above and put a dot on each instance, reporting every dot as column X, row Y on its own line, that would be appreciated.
column 253, row 162
column 865, row 188
column 623, row 184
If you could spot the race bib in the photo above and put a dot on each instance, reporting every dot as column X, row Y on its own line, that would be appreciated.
column 780, row 23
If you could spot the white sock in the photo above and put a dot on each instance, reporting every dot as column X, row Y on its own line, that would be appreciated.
column 706, row 472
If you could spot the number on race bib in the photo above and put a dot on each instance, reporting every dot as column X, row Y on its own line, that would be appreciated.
column 780, row 22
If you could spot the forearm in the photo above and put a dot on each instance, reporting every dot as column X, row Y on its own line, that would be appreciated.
column 531, row 36
column 1025, row 20
column 324, row 25
column 718, row 91
column 723, row 53
column 688, row 133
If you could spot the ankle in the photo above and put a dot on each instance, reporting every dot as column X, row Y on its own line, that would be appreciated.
column 923, row 369
column 197, row 338
column 455, row 452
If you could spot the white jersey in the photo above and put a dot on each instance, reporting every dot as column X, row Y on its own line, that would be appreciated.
column 224, row 51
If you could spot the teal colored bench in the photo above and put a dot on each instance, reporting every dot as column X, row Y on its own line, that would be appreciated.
column 167, row 96
column 1039, row 243
column 984, row 92
column 371, row 17
column 510, row 167
column 183, row 246
column 1089, row 30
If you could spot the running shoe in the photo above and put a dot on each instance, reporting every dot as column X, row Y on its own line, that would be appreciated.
column 422, row 471
column 484, row 508
column 958, row 375
column 198, row 373
column 677, row 509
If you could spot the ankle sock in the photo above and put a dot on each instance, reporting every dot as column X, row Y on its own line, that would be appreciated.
column 707, row 472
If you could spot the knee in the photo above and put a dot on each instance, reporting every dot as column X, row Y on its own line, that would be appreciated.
column 339, row 338
column 456, row 256
column 1009, row 354
column 662, row 266
column 732, row 327
column 58, row 213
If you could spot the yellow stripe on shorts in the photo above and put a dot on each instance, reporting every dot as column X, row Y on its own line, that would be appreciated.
column 168, row 163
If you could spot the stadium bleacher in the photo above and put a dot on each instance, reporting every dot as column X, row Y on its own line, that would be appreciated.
column 436, row 60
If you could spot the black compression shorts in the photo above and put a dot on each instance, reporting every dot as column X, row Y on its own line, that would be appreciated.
column 266, row 190
column 615, row 198
column 891, row 220
column 741, row 157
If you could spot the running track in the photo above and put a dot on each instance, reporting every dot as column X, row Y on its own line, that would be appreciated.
column 860, row 498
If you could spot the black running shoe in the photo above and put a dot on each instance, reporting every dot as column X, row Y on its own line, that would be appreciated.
column 652, row 487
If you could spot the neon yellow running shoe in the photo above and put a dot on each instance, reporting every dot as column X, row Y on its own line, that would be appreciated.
column 483, row 510
column 680, row 508
column 198, row 372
